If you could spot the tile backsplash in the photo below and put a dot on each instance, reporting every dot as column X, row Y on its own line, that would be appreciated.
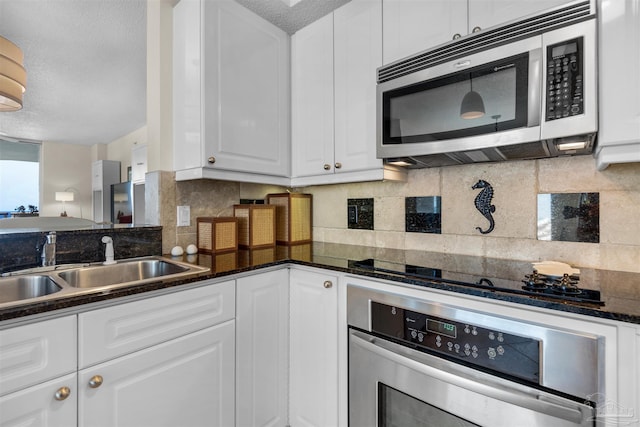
column 516, row 187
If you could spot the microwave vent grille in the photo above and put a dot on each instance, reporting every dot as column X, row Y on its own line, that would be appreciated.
column 434, row 161
column 531, row 150
column 528, row 151
column 531, row 26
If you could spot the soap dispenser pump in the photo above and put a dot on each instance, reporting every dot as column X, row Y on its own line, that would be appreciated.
column 108, row 251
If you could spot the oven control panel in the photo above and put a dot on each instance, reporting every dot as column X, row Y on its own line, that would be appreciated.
column 499, row 351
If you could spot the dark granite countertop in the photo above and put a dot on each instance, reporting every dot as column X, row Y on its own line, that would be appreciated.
column 620, row 291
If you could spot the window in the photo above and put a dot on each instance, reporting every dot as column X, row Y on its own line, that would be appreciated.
column 19, row 176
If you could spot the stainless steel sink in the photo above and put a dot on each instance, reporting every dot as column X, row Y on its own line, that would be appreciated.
column 68, row 280
column 18, row 288
column 126, row 272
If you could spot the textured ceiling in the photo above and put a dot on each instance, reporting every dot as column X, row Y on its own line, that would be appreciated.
column 86, row 68
column 86, row 63
column 291, row 19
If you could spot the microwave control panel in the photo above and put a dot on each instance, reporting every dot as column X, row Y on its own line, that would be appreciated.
column 565, row 95
column 471, row 344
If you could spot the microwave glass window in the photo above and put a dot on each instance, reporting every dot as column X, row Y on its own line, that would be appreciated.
column 437, row 110
column 431, row 110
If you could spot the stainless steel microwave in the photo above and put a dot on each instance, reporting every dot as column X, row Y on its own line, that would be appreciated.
column 523, row 91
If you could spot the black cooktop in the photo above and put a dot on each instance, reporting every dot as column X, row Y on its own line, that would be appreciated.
column 562, row 289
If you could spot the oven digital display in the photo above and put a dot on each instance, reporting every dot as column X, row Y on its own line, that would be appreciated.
column 442, row 328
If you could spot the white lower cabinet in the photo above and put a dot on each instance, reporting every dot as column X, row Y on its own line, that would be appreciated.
column 313, row 348
column 52, row 403
column 161, row 361
column 287, row 349
column 262, row 349
column 38, row 374
column 188, row 381
column 166, row 360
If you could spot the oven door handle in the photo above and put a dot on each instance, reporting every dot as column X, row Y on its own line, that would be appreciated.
column 490, row 386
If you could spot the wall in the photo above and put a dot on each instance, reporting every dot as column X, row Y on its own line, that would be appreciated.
column 204, row 197
column 120, row 149
column 61, row 170
column 516, row 186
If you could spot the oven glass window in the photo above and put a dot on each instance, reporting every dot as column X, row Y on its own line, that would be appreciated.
column 431, row 110
column 397, row 409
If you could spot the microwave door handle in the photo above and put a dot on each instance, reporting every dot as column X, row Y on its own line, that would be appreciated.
column 497, row 389
column 537, row 79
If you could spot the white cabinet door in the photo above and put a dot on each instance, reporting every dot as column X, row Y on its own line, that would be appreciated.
column 138, row 164
column 314, row 349
column 231, row 90
column 312, row 98
column 53, row 403
column 411, row 26
column 187, row 86
column 262, row 349
column 484, row 14
column 187, row 382
column 358, row 53
column 37, row 352
column 96, row 176
column 334, row 63
column 619, row 91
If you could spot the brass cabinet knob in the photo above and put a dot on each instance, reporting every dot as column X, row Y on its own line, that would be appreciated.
column 338, row 165
column 327, row 284
column 62, row 393
column 96, row 381
column 211, row 160
column 456, row 36
column 476, row 29
column 327, row 166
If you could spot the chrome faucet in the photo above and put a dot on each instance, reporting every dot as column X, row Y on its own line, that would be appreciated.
column 49, row 250
column 108, row 251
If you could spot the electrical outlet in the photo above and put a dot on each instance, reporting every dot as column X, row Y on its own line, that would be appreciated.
column 184, row 216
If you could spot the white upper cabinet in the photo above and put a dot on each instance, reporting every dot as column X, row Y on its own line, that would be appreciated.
column 334, row 62
column 357, row 55
column 138, row 164
column 484, row 14
column 230, row 94
column 312, row 98
column 619, row 91
column 411, row 26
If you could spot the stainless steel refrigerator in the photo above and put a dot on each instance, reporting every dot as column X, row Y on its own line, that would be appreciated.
column 127, row 203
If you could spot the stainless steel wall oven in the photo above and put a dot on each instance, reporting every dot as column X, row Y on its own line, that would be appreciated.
column 418, row 363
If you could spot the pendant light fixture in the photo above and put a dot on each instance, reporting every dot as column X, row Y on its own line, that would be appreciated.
column 13, row 77
column 472, row 106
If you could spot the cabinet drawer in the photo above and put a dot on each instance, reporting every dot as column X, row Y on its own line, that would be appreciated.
column 114, row 331
column 32, row 354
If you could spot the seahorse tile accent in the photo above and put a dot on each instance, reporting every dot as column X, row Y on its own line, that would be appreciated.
column 483, row 204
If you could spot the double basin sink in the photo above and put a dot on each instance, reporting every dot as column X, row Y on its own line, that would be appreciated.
column 48, row 283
